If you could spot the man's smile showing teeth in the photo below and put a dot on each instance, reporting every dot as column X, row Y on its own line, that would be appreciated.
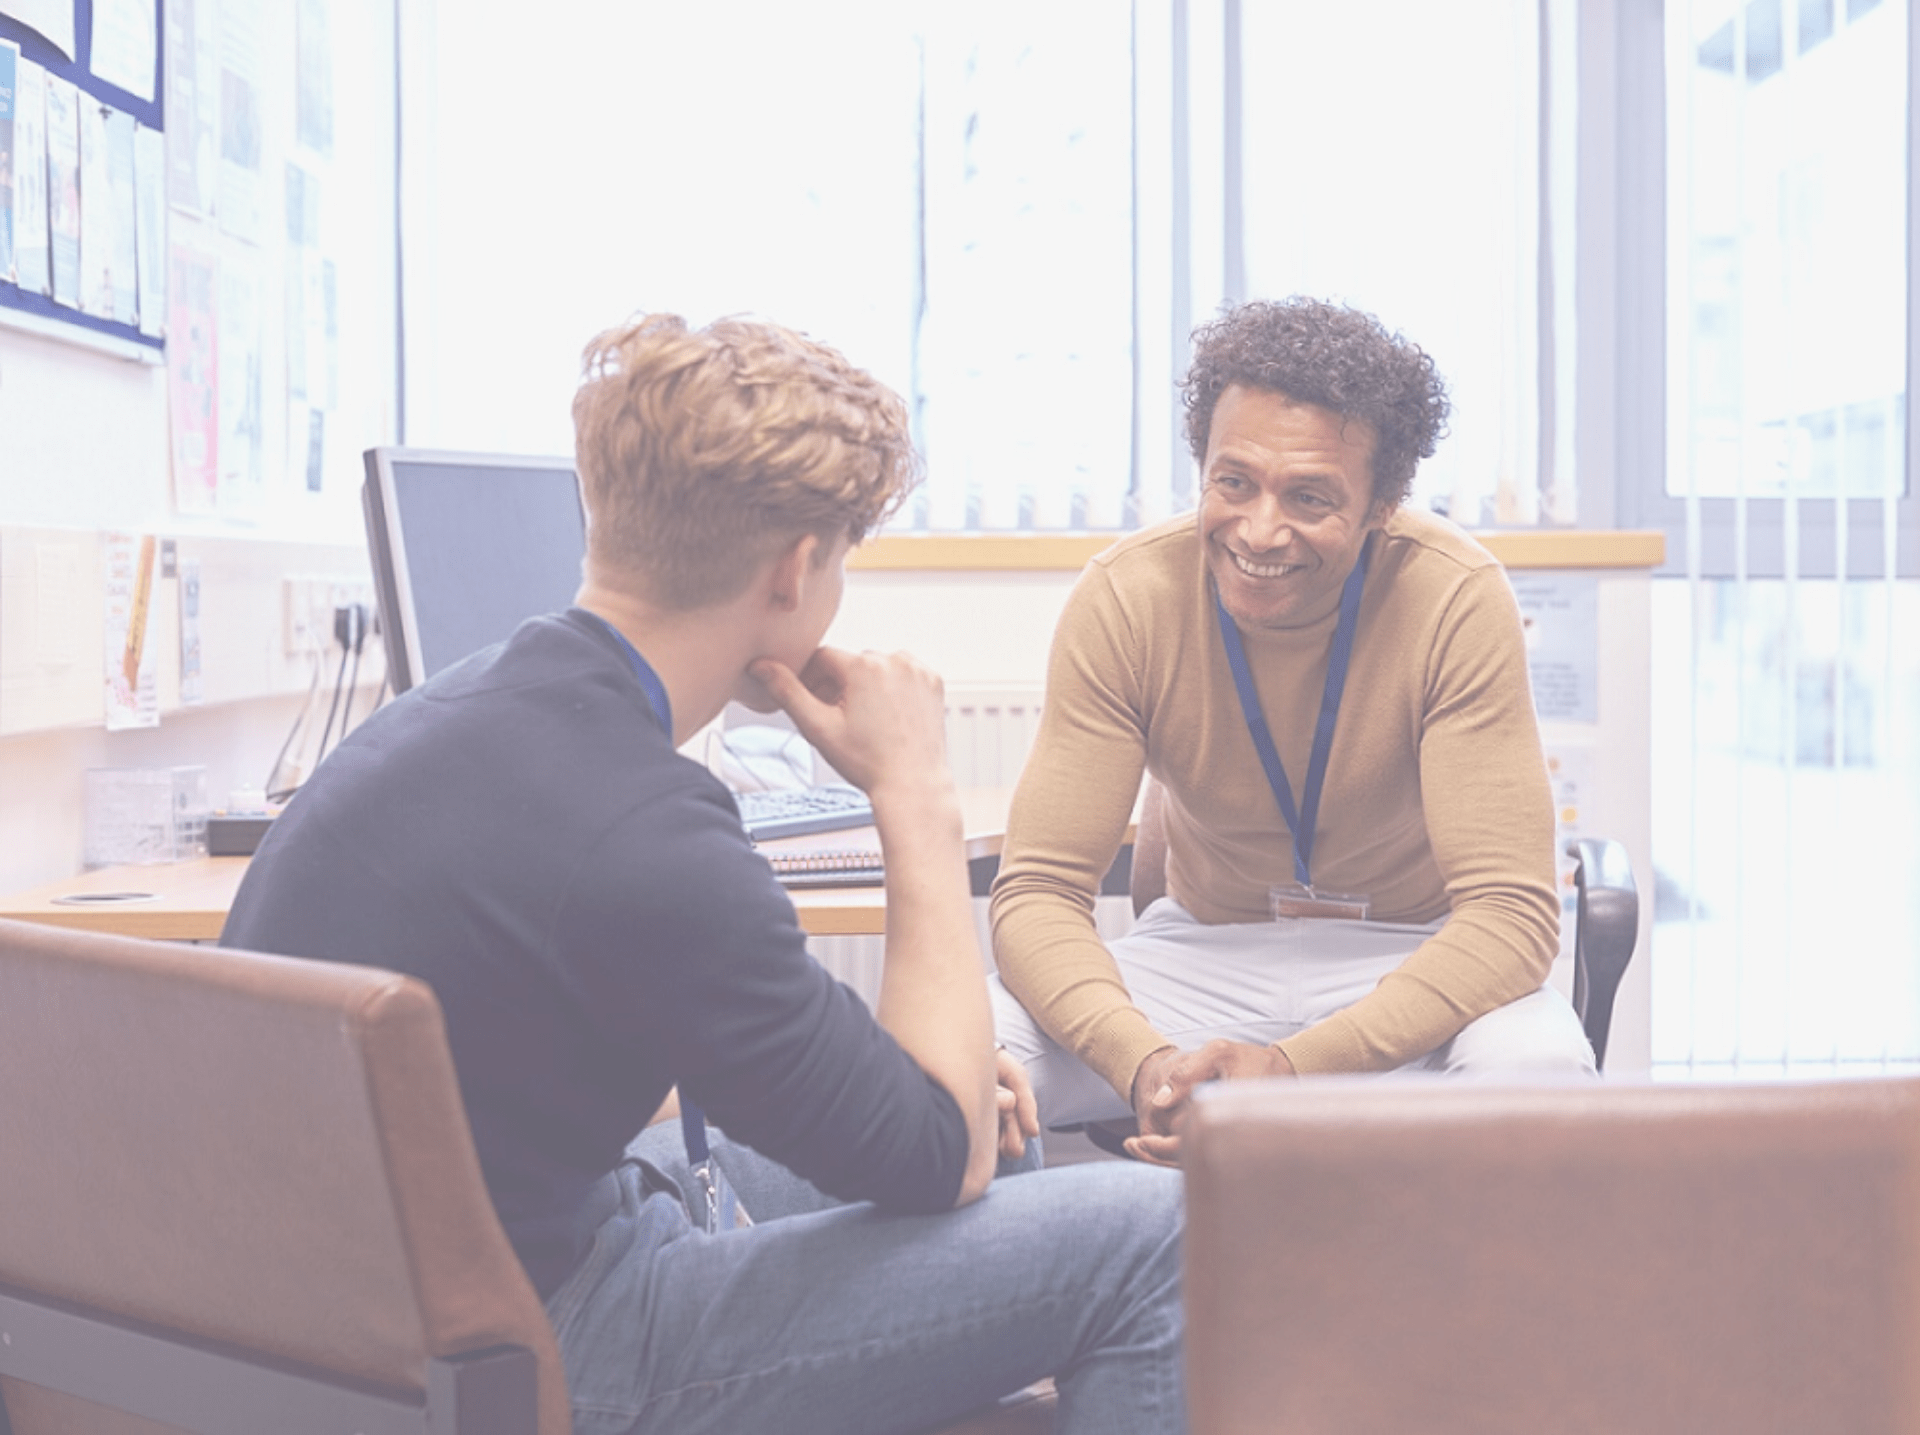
column 1261, row 570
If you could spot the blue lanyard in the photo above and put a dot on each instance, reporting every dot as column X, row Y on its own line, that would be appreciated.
column 650, row 683
column 1300, row 823
column 693, row 1121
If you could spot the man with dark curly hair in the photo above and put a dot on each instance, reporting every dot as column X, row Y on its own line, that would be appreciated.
column 1329, row 693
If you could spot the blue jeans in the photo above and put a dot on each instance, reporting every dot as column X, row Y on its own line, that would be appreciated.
column 838, row 1318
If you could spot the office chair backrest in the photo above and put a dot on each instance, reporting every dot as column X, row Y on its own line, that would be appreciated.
column 265, row 1156
column 1467, row 1259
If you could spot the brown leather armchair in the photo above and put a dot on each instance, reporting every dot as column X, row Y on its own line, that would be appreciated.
column 238, row 1194
column 1457, row 1258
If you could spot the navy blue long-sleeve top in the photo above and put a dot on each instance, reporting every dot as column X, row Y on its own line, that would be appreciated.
column 520, row 833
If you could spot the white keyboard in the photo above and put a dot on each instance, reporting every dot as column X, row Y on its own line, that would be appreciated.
column 794, row 812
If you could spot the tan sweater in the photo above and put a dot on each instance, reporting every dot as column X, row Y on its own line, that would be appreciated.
column 1436, row 802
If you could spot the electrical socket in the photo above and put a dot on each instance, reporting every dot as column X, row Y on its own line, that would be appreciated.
column 307, row 606
column 300, row 633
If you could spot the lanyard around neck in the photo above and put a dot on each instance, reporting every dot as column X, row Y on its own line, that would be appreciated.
column 1301, row 822
column 650, row 683
column 693, row 1121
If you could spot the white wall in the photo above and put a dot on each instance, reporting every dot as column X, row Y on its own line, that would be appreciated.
column 982, row 631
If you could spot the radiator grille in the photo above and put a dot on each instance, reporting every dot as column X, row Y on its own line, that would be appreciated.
column 989, row 732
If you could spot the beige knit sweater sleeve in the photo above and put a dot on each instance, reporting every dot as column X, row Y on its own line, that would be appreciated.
column 1066, row 824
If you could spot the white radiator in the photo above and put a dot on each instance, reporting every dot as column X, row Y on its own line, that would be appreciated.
column 989, row 732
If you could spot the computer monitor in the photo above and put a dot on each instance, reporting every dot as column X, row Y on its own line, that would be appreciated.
column 465, row 547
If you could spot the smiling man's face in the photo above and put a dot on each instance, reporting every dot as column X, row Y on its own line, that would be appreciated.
column 1286, row 504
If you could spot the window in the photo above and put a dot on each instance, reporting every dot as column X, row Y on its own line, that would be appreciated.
column 1787, row 645
column 1011, row 213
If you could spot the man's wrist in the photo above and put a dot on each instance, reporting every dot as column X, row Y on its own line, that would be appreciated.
column 922, row 802
column 1141, row 1073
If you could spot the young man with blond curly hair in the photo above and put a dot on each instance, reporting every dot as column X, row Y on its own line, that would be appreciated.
column 522, row 833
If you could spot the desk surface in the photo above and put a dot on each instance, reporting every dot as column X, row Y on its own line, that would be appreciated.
column 188, row 901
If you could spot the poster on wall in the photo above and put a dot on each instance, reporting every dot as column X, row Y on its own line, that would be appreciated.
column 53, row 19
column 242, row 457
column 1570, row 768
column 313, row 71
column 150, row 230
column 30, row 255
column 96, row 211
column 193, row 94
column 193, row 688
column 63, row 189
column 123, row 236
column 1560, row 614
column 125, row 45
column 193, row 376
column 9, row 94
column 242, row 145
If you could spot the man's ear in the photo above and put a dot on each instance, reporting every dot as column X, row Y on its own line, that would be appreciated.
column 793, row 567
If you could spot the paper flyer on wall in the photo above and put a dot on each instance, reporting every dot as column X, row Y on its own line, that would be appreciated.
column 307, row 446
column 1570, row 769
column 313, row 77
column 242, row 416
column 53, row 19
column 132, row 695
column 63, row 189
column 313, row 330
column 241, row 144
column 30, row 255
column 193, row 98
column 193, row 381
column 124, row 50
column 9, row 97
column 150, row 229
column 193, row 688
column 1560, row 616
column 96, row 211
column 303, row 232
column 123, row 235
column 324, row 382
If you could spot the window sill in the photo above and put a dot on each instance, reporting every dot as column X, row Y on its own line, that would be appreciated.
column 1069, row 552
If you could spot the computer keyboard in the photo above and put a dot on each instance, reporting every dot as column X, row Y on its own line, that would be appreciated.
column 794, row 812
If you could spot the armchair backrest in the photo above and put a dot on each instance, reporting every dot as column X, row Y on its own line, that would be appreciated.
column 1468, row 1259
column 258, row 1154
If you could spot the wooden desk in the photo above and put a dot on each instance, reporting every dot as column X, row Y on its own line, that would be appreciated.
column 174, row 901
column 188, row 901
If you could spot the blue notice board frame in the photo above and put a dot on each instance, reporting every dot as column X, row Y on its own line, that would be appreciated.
column 35, row 47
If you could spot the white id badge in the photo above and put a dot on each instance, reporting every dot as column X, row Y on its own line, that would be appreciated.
column 1294, row 900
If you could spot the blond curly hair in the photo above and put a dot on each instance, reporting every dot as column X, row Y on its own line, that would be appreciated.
column 703, row 452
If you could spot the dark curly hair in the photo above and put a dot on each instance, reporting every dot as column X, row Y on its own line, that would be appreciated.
column 1324, row 354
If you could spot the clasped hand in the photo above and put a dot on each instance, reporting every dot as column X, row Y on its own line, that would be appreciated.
column 1163, row 1089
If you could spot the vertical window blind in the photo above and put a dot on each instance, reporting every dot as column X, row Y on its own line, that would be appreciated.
column 1787, row 660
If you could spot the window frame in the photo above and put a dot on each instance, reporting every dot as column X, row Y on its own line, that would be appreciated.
column 1623, row 306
